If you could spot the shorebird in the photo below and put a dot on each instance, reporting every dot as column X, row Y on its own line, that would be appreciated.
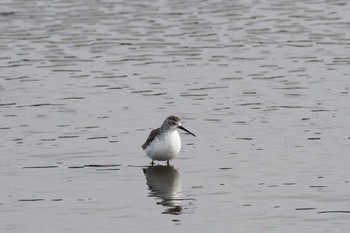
column 164, row 143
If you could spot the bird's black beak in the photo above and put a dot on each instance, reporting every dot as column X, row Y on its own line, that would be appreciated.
column 180, row 127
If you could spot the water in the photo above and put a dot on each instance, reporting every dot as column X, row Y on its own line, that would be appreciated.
column 263, row 84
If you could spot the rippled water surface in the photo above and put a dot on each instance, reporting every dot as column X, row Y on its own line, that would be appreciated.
column 263, row 84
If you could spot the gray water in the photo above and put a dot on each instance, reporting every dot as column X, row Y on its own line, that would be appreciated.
column 263, row 84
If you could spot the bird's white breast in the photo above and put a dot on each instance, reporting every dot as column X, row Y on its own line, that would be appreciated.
column 165, row 147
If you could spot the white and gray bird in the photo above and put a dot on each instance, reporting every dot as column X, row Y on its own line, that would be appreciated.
column 164, row 143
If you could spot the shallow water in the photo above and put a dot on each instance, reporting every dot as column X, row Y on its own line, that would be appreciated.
column 263, row 84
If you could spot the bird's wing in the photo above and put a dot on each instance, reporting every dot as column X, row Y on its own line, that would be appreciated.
column 150, row 138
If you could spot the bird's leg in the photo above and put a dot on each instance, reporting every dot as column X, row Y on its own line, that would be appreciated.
column 167, row 162
column 152, row 163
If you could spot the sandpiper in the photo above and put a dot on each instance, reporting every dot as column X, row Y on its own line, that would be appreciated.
column 164, row 143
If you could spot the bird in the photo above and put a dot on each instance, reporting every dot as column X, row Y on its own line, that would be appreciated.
column 164, row 143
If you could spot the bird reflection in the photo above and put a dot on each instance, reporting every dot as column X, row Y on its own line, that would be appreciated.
column 164, row 183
